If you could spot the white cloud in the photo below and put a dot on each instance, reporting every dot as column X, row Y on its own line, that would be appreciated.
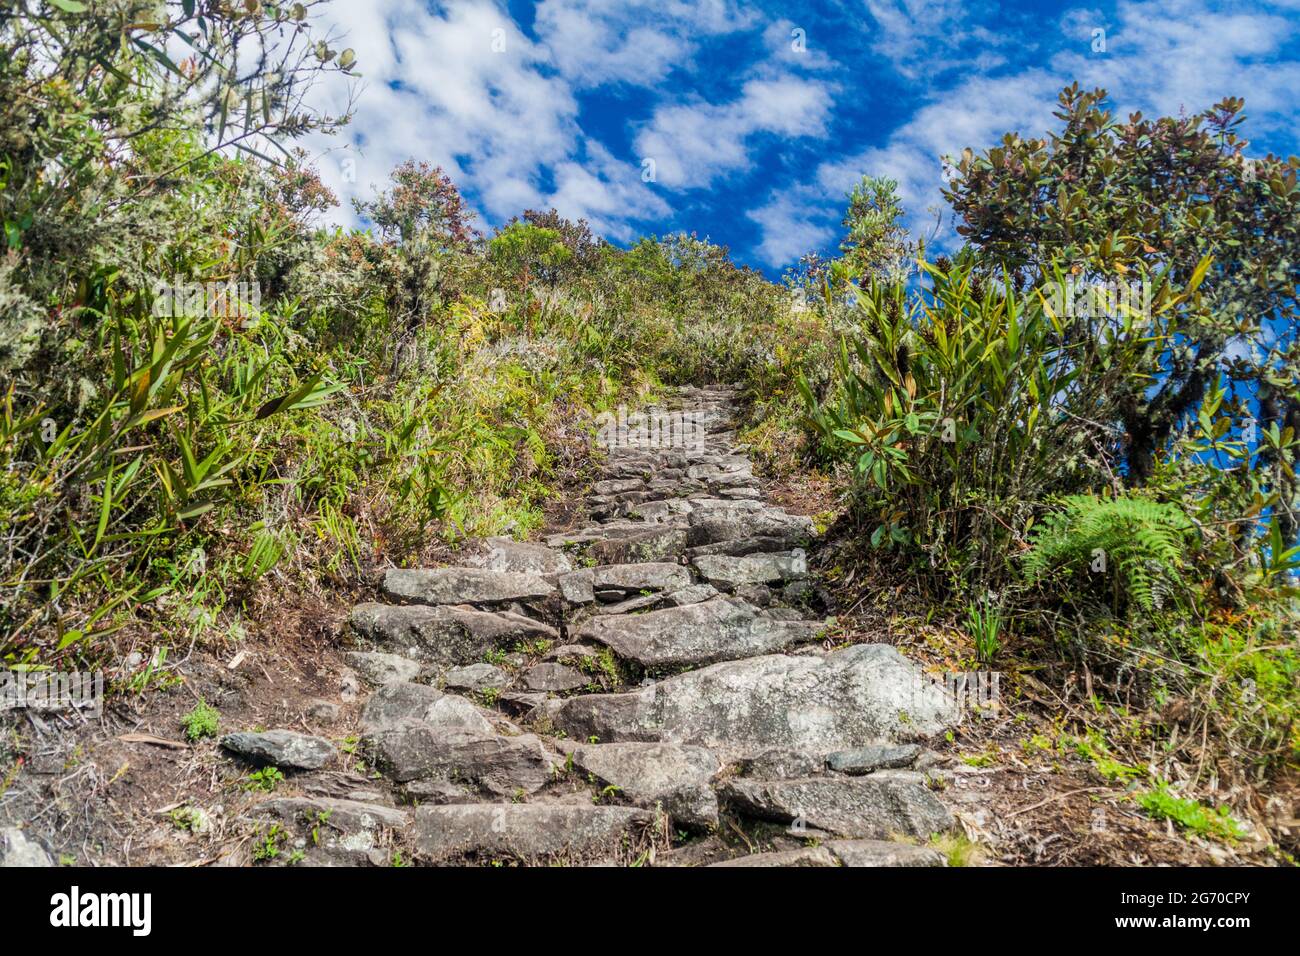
column 638, row 42
column 694, row 143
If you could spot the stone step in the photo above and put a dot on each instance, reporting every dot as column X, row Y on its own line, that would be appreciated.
column 816, row 704
column 719, row 629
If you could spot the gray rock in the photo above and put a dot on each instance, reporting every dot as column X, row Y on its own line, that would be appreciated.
column 577, row 587
column 395, row 704
column 652, row 576
column 571, row 653
column 501, row 765
column 380, row 668
column 648, row 774
column 884, row 853
column 555, row 678
column 615, row 486
column 464, row 586
column 657, row 544
column 397, row 701
column 506, row 554
column 781, row 765
column 525, row 831
column 725, row 571
column 285, row 749
column 738, row 547
column 325, row 711
column 877, row 757
column 694, row 594
column 806, row 856
column 446, row 636
column 719, row 629
column 877, row 806
column 434, row 792
column 475, row 677
column 340, row 815
column 18, row 849
column 723, row 524
column 759, row 595
column 815, row 703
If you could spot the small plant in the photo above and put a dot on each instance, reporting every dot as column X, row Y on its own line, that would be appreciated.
column 268, row 847
column 265, row 780
column 1189, row 814
column 1140, row 540
column 188, row 819
column 984, row 622
column 202, row 721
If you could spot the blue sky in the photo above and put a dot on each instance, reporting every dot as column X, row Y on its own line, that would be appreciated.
column 759, row 117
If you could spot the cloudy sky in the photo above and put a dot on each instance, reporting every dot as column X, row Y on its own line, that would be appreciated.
column 748, row 122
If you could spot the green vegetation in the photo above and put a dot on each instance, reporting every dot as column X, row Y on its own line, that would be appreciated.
column 1079, row 431
column 265, row 780
column 202, row 721
column 209, row 397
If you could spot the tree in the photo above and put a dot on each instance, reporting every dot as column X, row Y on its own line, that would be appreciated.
column 1103, row 197
column 876, row 246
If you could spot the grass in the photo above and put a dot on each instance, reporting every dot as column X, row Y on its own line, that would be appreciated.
column 202, row 721
column 1192, row 815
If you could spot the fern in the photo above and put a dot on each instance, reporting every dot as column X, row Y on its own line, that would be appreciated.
column 1140, row 540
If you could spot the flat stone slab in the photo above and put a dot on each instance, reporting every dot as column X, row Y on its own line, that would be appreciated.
column 507, row 554
column 554, row 678
column 524, row 831
column 877, row 806
column 649, row 576
column 464, row 586
column 446, row 636
column 347, row 815
column 502, row 765
column 806, row 856
column 380, row 668
column 878, row 757
column 397, row 702
column 714, row 630
column 724, row 524
column 672, row 777
column 285, row 749
column 884, row 853
column 818, row 704
column 729, row 571
column 476, row 677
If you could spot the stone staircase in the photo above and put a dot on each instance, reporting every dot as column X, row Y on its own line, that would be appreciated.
column 654, row 687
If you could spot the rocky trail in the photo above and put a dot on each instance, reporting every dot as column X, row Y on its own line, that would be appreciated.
column 654, row 688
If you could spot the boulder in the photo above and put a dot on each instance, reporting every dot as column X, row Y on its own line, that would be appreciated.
column 476, row 677
column 818, row 704
column 878, row 757
column 414, row 749
column 555, row 678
